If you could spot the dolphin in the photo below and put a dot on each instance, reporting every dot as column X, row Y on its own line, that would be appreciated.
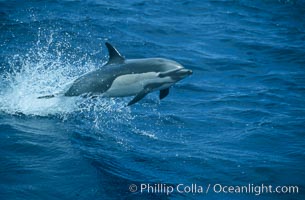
column 121, row 77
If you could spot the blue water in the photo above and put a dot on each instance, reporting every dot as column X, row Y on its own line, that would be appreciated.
column 238, row 120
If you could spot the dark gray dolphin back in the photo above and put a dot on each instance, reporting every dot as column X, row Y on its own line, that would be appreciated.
column 98, row 81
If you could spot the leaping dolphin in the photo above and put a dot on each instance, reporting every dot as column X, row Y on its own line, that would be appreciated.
column 121, row 77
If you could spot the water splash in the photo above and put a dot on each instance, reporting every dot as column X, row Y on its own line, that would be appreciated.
column 46, row 69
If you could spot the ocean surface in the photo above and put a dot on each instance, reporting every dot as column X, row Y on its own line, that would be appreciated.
column 238, row 120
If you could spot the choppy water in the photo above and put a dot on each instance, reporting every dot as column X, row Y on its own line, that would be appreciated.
column 239, row 119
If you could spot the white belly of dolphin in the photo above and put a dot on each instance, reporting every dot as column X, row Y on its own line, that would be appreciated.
column 132, row 84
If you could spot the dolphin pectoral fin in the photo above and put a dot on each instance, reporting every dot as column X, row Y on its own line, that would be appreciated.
column 163, row 93
column 138, row 97
column 114, row 55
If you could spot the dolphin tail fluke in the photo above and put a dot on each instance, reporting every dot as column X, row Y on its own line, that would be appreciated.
column 163, row 93
column 139, row 96
column 46, row 96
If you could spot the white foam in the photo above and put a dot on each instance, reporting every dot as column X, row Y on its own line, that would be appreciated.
column 40, row 72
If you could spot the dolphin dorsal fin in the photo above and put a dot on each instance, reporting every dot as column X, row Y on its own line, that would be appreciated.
column 114, row 55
